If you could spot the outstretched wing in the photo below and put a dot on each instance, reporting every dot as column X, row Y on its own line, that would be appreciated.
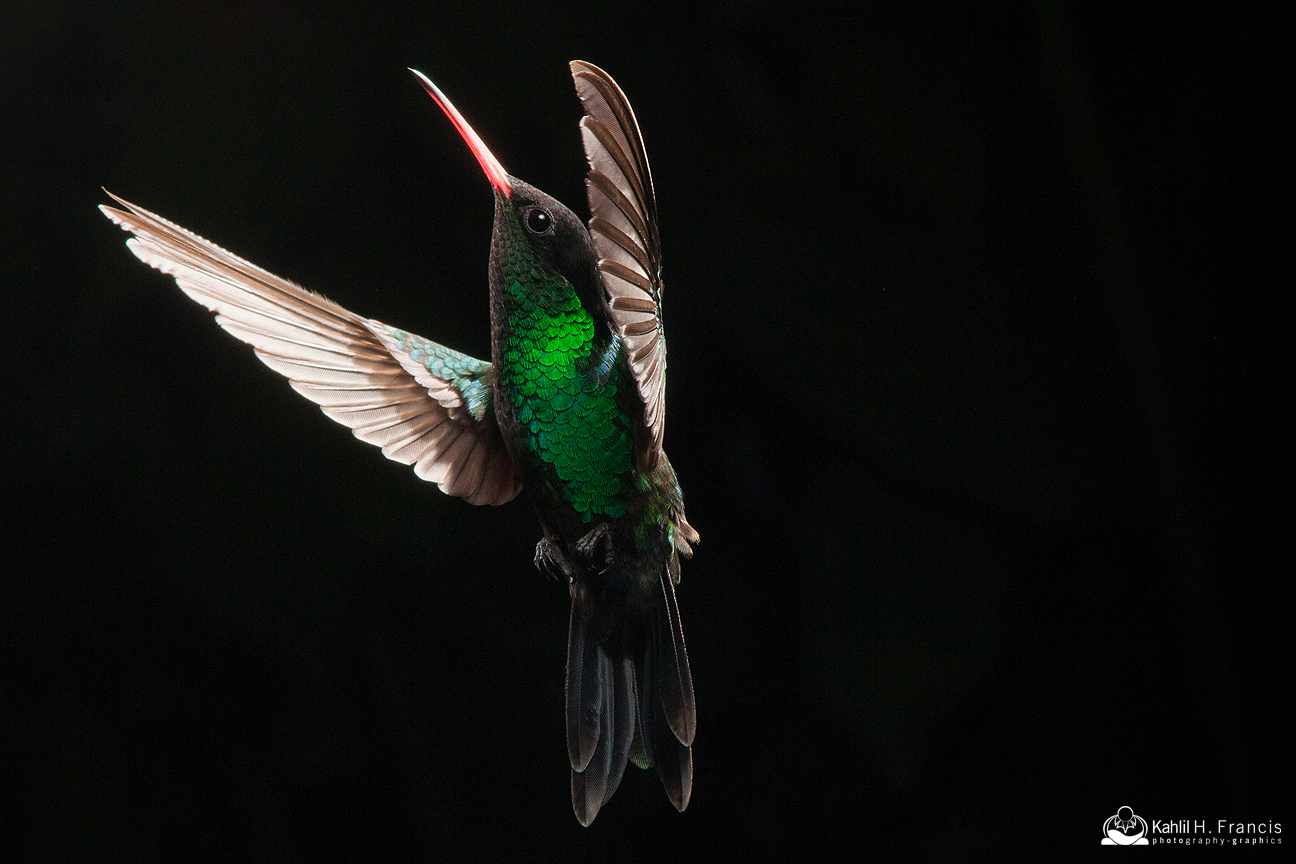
column 623, row 226
column 422, row 403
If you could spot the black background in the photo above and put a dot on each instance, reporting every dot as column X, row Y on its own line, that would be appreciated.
column 976, row 347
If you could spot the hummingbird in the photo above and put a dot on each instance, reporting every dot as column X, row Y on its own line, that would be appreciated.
column 569, row 411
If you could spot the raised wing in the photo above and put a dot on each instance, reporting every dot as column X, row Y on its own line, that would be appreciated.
column 422, row 403
column 623, row 226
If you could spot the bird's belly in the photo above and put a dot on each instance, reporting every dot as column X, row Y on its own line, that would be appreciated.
column 570, row 440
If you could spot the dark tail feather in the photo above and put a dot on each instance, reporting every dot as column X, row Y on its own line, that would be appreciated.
column 625, row 701
column 667, row 715
column 585, row 688
column 676, row 683
column 600, row 720
column 675, row 768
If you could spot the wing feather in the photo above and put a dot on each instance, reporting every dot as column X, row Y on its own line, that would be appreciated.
column 330, row 397
column 422, row 403
column 623, row 228
column 409, row 442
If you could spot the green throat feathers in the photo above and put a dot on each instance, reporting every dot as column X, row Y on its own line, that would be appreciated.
column 564, row 385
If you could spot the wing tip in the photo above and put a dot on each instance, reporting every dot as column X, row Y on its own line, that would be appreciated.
column 578, row 67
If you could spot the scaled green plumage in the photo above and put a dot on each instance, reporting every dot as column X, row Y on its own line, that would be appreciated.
column 551, row 367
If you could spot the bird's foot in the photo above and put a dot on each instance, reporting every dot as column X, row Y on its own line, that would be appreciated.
column 596, row 547
column 550, row 561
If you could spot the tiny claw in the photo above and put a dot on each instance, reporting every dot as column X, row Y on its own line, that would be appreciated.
column 587, row 546
column 549, row 559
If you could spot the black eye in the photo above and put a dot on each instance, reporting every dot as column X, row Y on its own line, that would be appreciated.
column 539, row 221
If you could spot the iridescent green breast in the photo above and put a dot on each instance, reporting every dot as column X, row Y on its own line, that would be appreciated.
column 563, row 385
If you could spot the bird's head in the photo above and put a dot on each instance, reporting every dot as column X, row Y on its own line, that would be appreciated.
column 526, row 219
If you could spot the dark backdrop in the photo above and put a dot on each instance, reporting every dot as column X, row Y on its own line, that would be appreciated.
column 975, row 352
